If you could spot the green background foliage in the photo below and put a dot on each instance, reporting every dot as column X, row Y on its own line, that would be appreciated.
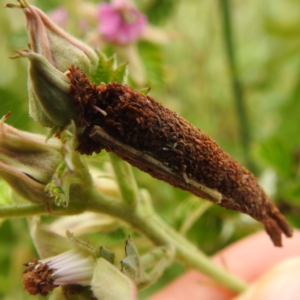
column 190, row 75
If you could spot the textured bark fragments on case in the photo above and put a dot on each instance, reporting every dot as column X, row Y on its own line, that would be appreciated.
column 160, row 142
column 151, row 165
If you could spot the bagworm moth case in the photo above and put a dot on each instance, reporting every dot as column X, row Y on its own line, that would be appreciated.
column 117, row 118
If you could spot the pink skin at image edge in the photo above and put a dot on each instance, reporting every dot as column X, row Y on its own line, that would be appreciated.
column 247, row 259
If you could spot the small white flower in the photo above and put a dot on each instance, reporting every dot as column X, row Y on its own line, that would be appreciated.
column 71, row 267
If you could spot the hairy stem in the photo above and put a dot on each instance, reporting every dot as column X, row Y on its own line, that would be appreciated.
column 145, row 220
column 125, row 179
column 27, row 210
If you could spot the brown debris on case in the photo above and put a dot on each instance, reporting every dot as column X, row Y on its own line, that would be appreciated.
column 140, row 130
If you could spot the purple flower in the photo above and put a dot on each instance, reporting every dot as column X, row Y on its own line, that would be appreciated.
column 120, row 22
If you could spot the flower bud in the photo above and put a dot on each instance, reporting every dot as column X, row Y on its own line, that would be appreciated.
column 49, row 102
column 47, row 243
column 57, row 46
column 52, row 52
column 27, row 162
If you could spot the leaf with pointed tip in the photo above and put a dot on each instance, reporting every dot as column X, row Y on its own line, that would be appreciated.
column 119, row 74
column 107, row 254
column 108, row 71
column 145, row 91
column 103, row 71
column 131, row 264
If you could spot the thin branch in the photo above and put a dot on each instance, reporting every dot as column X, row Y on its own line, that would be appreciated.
column 125, row 179
column 146, row 221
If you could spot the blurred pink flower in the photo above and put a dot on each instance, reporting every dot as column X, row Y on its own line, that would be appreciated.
column 59, row 16
column 120, row 22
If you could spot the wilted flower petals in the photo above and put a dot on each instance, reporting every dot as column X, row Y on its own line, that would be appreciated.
column 120, row 22
column 47, row 243
column 84, row 223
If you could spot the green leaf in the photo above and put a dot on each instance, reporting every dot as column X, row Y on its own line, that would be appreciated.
column 119, row 74
column 145, row 91
column 107, row 254
column 131, row 264
column 5, row 193
column 102, row 73
column 108, row 71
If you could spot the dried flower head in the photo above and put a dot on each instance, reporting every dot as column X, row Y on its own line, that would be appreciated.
column 141, row 131
column 68, row 268
column 81, row 271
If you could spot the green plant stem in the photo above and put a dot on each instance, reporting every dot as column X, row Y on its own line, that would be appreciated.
column 27, row 210
column 236, row 84
column 125, row 179
column 151, row 225
column 145, row 220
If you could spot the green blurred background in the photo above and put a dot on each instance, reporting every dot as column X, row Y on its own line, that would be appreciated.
column 240, row 86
